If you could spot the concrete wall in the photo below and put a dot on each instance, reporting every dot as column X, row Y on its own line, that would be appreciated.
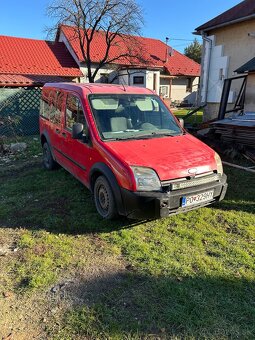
column 179, row 91
column 232, row 46
column 250, row 94
column 238, row 45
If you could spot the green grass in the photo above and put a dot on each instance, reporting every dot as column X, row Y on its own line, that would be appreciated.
column 196, row 118
column 187, row 276
column 44, row 255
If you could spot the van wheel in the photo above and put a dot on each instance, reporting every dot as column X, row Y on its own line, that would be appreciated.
column 48, row 161
column 104, row 199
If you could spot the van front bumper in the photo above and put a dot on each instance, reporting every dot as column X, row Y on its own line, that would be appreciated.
column 149, row 205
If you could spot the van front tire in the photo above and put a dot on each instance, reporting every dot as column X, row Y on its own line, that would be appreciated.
column 104, row 199
column 48, row 161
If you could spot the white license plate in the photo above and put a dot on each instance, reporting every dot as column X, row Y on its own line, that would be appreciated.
column 197, row 199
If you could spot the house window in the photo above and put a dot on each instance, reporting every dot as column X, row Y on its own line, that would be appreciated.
column 164, row 91
column 138, row 80
column 189, row 85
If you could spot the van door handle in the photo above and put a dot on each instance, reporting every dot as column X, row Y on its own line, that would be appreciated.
column 58, row 130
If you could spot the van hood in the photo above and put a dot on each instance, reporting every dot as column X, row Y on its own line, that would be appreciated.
column 170, row 157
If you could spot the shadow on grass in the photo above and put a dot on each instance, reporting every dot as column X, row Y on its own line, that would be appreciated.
column 132, row 304
column 56, row 201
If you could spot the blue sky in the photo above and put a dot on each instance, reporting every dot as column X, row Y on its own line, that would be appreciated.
column 175, row 19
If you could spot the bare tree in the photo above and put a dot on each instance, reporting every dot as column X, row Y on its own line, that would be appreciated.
column 115, row 19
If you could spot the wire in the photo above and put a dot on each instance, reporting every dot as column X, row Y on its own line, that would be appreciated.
column 185, row 39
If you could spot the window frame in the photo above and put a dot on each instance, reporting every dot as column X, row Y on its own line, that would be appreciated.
column 82, row 108
column 47, row 93
column 54, row 98
column 135, row 78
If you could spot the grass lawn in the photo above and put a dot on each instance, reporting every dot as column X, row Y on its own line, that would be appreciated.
column 187, row 276
column 196, row 118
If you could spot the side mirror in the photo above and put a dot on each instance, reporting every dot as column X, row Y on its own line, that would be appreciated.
column 181, row 121
column 77, row 131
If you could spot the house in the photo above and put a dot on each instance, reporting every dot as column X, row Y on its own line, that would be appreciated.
column 25, row 66
column 156, row 66
column 228, row 51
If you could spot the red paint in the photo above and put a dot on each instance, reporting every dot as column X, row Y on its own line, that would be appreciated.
column 171, row 157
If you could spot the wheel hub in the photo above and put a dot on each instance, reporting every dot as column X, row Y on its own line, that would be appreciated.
column 103, row 198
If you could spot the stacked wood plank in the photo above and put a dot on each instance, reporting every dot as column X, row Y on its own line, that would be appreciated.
column 237, row 129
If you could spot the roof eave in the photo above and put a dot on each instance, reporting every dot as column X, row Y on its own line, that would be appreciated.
column 210, row 28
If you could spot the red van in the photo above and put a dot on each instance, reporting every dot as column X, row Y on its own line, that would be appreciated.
column 125, row 145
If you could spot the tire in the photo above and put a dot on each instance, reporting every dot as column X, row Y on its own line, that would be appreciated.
column 48, row 161
column 104, row 199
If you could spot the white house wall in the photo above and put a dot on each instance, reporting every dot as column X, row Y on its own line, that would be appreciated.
column 150, row 80
column 126, row 77
column 110, row 72
column 239, row 47
column 218, row 71
column 179, row 91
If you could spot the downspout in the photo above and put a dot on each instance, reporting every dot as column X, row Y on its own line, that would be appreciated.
column 207, row 71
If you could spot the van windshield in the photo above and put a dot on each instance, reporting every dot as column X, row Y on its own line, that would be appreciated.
column 130, row 116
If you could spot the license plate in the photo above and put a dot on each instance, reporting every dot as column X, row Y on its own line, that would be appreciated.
column 197, row 198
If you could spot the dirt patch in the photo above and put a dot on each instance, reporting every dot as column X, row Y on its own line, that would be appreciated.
column 37, row 315
column 15, row 167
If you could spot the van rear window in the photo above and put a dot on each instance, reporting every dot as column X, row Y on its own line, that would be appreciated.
column 56, row 107
column 51, row 105
column 45, row 104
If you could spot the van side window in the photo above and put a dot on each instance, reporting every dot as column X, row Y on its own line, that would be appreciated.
column 56, row 107
column 45, row 104
column 74, row 112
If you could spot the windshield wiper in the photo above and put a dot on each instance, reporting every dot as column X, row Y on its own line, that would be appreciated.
column 151, row 135
column 114, row 139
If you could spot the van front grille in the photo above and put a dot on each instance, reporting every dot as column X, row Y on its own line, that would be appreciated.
column 184, row 183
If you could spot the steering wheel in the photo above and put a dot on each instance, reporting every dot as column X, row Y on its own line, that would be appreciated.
column 146, row 126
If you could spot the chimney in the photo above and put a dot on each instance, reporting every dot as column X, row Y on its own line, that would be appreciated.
column 167, row 49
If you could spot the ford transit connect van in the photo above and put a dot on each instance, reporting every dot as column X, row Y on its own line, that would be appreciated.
column 128, row 149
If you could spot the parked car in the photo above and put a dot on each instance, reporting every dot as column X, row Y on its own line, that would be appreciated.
column 128, row 149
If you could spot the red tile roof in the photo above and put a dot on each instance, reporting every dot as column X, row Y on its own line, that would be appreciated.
column 27, row 80
column 149, row 53
column 241, row 11
column 36, row 57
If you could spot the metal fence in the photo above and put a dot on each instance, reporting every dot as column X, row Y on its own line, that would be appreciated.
column 19, row 111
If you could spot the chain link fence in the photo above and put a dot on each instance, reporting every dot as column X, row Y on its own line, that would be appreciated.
column 19, row 112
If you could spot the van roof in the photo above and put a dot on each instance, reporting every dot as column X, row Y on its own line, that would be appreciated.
column 88, row 88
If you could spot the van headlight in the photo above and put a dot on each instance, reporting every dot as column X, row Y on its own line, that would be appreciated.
column 146, row 179
column 218, row 163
